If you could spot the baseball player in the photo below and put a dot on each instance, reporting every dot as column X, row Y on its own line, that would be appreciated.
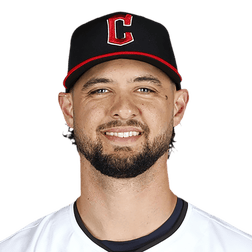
column 123, row 99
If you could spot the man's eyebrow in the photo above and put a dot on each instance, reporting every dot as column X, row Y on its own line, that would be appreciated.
column 145, row 78
column 94, row 81
column 148, row 78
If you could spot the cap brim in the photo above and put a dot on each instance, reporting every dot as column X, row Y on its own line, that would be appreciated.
column 75, row 73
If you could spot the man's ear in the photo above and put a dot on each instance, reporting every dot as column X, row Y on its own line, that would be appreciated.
column 181, row 98
column 66, row 105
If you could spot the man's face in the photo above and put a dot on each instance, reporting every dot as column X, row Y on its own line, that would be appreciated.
column 123, row 116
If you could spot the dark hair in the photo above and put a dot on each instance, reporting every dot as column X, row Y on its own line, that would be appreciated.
column 68, row 134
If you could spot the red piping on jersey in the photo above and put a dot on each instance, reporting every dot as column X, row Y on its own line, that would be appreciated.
column 121, row 53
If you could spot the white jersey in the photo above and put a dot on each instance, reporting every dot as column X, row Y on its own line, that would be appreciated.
column 58, row 232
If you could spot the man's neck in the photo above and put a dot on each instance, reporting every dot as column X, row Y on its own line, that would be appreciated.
column 125, row 209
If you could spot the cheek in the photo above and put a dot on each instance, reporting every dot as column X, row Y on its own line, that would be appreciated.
column 89, row 117
column 157, row 116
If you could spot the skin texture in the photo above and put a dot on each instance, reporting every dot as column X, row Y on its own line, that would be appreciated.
column 106, row 98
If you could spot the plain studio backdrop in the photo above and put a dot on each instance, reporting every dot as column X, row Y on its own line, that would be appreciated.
column 210, row 166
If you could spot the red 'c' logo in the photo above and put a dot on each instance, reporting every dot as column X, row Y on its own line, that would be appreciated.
column 112, row 34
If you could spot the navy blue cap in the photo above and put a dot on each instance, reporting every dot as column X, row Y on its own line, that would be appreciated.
column 120, row 35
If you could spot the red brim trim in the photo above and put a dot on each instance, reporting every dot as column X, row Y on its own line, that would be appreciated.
column 121, row 53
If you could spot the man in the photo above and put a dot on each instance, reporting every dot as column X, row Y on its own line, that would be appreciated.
column 123, row 99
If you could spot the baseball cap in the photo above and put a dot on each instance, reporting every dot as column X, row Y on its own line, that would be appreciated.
column 120, row 35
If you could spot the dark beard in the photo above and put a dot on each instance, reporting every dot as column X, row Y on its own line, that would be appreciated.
column 117, row 166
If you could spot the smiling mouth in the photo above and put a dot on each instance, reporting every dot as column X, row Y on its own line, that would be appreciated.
column 123, row 134
column 123, row 138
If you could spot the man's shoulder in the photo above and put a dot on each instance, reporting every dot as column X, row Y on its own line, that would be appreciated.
column 43, row 227
column 201, row 231
column 213, row 230
column 219, row 225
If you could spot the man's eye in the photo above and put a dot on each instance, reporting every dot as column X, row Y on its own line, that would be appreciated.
column 99, row 91
column 102, row 91
column 145, row 90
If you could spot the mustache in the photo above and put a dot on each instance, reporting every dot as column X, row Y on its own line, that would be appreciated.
column 118, row 123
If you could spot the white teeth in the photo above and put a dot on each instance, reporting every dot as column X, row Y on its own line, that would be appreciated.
column 126, row 134
column 123, row 134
